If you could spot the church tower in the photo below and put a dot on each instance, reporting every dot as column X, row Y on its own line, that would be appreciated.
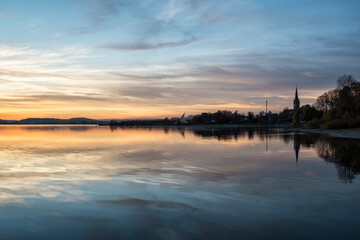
column 296, row 101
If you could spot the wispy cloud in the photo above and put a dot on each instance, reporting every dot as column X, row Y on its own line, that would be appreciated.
column 148, row 46
column 99, row 11
column 214, row 52
column 173, row 8
column 57, row 97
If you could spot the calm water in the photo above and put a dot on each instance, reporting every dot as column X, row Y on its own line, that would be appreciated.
column 87, row 182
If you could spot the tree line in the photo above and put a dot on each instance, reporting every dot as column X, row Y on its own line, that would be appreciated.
column 337, row 108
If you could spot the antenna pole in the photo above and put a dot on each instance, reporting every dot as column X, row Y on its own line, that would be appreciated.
column 266, row 107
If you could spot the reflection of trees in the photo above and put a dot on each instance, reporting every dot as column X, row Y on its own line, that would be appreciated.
column 344, row 153
column 228, row 134
column 47, row 128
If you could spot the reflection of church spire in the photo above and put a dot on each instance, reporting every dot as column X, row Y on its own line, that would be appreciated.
column 181, row 131
column 297, row 146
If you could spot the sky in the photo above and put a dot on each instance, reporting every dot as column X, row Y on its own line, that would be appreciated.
column 119, row 59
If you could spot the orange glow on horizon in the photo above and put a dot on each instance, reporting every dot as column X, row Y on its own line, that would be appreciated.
column 119, row 112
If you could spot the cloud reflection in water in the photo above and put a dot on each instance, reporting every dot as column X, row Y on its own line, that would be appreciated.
column 217, row 180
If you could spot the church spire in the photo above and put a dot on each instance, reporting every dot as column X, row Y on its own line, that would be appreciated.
column 296, row 100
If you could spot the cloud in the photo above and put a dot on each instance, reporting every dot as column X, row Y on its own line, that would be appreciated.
column 81, row 31
column 26, row 64
column 2, row 80
column 313, row 74
column 171, row 10
column 190, row 82
column 24, row 56
column 64, row 97
column 57, row 97
column 23, row 74
column 146, row 76
column 99, row 12
column 151, row 19
column 148, row 46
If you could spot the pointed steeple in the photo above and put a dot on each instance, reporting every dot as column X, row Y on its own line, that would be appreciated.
column 296, row 100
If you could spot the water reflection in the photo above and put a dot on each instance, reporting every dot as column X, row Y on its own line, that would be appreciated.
column 83, row 182
column 345, row 154
column 297, row 139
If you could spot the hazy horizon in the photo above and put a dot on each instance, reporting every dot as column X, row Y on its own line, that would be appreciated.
column 121, row 59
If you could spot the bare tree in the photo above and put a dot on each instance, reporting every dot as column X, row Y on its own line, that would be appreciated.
column 345, row 81
column 327, row 101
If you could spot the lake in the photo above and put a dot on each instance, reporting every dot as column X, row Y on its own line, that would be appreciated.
column 91, row 182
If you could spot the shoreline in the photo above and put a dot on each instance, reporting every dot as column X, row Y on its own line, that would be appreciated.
column 353, row 133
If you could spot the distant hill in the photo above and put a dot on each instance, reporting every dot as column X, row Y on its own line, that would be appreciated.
column 54, row 121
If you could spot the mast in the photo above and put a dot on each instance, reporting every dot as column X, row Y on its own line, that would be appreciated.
column 266, row 107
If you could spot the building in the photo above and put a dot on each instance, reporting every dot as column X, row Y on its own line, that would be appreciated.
column 287, row 114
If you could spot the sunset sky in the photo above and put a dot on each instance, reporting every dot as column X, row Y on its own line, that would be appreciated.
column 118, row 59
